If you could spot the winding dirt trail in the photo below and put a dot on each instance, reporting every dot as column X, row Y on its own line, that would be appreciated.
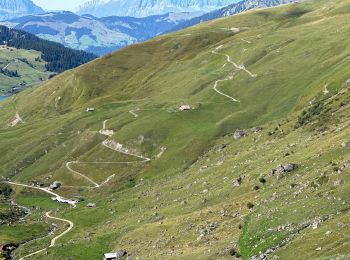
column 68, row 164
column 112, row 145
column 58, row 198
column 108, row 143
column 238, row 67
column 53, row 241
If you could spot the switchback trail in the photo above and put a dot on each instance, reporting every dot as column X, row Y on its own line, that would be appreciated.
column 238, row 67
column 112, row 145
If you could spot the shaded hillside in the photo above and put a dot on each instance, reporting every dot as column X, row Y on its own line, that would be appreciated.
column 58, row 57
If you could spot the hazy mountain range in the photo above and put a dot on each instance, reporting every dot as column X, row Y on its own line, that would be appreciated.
column 231, row 10
column 97, row 35
column 142, row 8
column 16, row 8
column 106, row 34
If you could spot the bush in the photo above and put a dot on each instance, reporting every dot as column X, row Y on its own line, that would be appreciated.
column 250, row 205
column 5, row 190
column 262, row 180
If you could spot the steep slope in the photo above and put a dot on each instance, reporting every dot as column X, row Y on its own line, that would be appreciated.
column 236, row 8
column 16, row 8
column 258, row 166
column 139, row 8
column 97, row 35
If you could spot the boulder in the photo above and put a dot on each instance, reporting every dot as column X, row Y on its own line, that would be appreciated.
column 120, row 254
column 290, row 167
column 239, row 134
column 237, row 182
column 282, row 169
column 55, row 185
column 222, row 147
column 212, row 226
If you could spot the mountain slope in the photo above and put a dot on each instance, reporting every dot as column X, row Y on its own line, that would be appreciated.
column 16, row 8
column 139, row 8
column 27, row 59
column 236, row 8
column 268, row 87
column 97, row 35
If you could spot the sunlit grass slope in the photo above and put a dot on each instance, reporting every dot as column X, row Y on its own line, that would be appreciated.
column 288, row 70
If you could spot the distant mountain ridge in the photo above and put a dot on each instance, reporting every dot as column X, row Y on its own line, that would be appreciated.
column 16, row 8
column 97, row 35
column 143, row 8
column 107, row 34
column 236, row 8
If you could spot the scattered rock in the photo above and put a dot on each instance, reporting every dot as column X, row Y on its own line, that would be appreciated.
column 213, row 225
column 337, row 183
column 204, row 231
column 257, row 129
column 222, row 147
column 55, row 185
column 203, row 168
column 239, row 134
column 282, row 169
column 316, row 224
column 237, row 182
column 120, row 254
column 91, row 205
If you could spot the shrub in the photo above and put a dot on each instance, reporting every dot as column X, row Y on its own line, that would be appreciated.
column 262, row 180
column 250, row 205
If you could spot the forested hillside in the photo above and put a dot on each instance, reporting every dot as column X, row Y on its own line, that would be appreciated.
column 58, row 57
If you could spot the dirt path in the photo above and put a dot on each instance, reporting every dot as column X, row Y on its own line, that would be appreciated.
column 238, row 67
column 80, row 174
column 4, row 68
column 53, row 241
column 114, row 146
column 17, row 120
column 58, row 198
column 71, row 225
column 117, row 147
column 55, row 195
column 133, row 112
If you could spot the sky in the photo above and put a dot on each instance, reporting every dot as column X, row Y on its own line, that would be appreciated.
column 59, row 4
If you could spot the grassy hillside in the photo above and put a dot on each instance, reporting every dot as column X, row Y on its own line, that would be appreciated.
column 20, row 68
column 188, row 185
